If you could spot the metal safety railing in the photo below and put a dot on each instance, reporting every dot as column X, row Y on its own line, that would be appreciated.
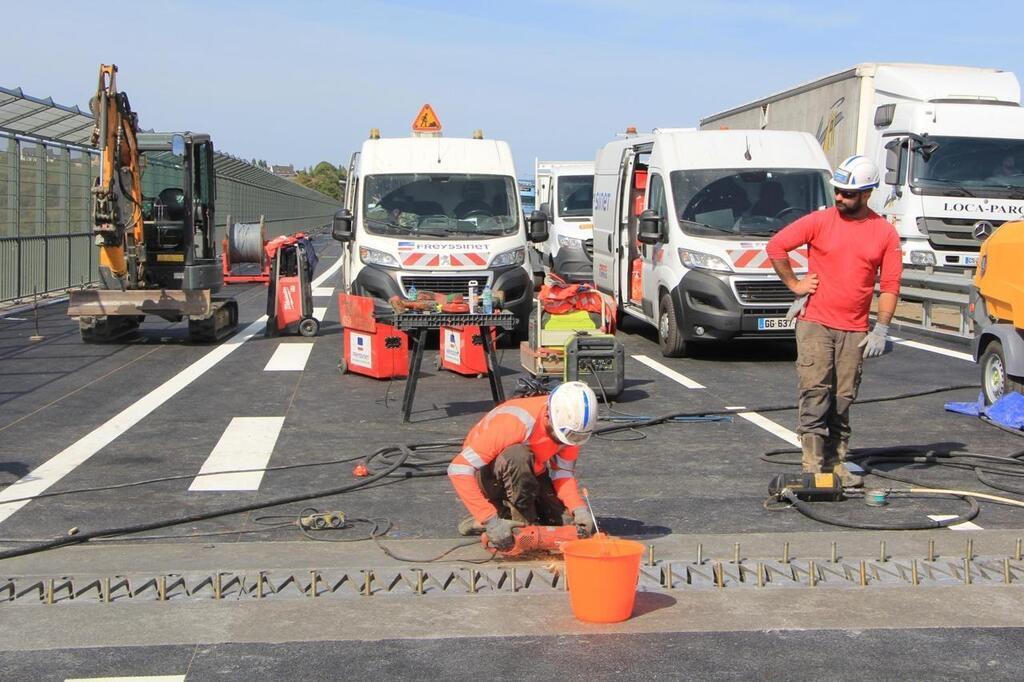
column 40, row 265
column 943, row 299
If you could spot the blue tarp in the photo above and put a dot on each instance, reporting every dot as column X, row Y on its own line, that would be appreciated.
column 1008, row 411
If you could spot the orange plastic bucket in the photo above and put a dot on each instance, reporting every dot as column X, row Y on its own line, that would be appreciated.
column 602, row 573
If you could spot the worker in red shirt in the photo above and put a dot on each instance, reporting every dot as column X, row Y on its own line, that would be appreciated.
column 848, row 246
column 517, row 464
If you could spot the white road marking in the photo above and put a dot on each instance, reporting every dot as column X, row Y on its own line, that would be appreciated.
column 735, row 407
column 670, row 373
column 321, row 292
column 335, row 266
column 933, row 349
column 966, row 525
column 134, row 678
column 771, row 427
column 247, row 443
column 319, row 313
column 289, row 357
column 79, row 452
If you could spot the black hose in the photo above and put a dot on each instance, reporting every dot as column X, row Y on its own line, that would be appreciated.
column 812, row 513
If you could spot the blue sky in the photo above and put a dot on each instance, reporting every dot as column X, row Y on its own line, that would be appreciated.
column 299, row 82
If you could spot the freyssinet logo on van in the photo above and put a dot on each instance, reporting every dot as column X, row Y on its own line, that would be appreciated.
column 443, row 254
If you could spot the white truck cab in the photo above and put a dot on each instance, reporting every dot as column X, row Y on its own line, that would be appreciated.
column 681, row 221
column 950, row 141
column 434, row 213
column 565, row 194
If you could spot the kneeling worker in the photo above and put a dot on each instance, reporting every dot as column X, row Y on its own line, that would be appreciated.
column 517, row 465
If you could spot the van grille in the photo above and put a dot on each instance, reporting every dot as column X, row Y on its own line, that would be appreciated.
column 445, row 285
column 764, row 291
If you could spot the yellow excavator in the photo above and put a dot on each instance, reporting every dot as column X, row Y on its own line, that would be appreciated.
column 153, row 221
column 997, row 305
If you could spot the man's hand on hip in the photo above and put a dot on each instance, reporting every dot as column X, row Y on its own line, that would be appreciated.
column 875, row 343
column 807, row 284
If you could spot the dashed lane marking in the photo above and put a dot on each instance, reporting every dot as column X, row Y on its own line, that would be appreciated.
column 319, row 312
column 60, row 465
column 670, row 373
column 247, row 443
column 771, row 427
column 323, row 292
column 966, row 525
column 933, row 349
column 289, row 357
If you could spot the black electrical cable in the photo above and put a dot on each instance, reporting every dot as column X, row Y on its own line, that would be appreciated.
column 442, row 555
column 406, row 451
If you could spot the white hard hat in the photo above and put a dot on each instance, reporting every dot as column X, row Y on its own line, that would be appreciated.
column 572, row 410
column 857, row 173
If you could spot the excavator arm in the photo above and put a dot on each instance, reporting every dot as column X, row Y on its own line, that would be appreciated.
column 117, row 197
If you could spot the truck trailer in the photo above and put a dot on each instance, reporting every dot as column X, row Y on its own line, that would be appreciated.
column 950, row 141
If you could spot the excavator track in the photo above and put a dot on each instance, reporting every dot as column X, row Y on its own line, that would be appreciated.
column 221, row 323
column 108, row 328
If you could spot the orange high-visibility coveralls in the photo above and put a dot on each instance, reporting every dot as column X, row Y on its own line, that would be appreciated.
column 520, row 421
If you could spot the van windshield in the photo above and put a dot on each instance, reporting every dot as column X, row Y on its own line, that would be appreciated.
column 575, row 196
column 963, row 166
column 440, row 205
column 745, row 202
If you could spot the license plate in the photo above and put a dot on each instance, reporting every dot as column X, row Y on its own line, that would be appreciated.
column 970, row 261
column 766, row 324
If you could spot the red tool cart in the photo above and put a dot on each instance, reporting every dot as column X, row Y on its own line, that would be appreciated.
column 290, row 296
column 370, row 348
column 462, row 350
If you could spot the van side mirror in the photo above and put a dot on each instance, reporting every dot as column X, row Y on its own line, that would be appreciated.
column 341, row 226
column 892, row 161
column 649, row 231
column 537, row 230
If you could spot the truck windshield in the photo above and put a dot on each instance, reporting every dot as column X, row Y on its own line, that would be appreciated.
column 746, row 202
column 440, row 205
column 967, row 166
column 575, row 196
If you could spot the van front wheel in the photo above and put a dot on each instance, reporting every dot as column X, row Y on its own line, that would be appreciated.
column 670, row 336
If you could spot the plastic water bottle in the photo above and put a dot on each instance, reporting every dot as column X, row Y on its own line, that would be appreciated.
column 411, row 292
column 487, row 299
column 471, row 299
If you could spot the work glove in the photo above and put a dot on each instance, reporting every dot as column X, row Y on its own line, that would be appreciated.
column 798, row 306
column 875, row 344
column 583, row 520
column 499, row 533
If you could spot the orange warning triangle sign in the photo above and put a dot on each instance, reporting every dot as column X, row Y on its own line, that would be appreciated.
column 426, row 121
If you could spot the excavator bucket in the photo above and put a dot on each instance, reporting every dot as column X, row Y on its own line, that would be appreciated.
column 166, row 303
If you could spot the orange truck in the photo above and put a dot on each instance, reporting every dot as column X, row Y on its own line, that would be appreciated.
column 997, row 305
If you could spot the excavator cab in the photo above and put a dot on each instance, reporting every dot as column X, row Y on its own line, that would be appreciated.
column 178, row 212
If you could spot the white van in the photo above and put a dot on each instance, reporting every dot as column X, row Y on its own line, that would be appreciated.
column 681, row 221
column 565, row 194
column 434, row 214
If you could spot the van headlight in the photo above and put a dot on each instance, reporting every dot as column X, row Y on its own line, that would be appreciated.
column 703, row 261
column 513, row 257
column 570, row 242
column 374, row 257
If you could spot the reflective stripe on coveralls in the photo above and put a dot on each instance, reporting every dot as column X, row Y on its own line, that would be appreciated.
column 517, row 421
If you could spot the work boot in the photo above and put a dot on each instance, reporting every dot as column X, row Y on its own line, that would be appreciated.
column 813, row 453
column 469, row 526
column 846, row 477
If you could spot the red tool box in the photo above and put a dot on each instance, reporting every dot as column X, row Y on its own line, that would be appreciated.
column 462, row 350
column 369, row 347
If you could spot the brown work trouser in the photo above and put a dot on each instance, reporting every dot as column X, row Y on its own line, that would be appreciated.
column 828, row 365
column 518, row 493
